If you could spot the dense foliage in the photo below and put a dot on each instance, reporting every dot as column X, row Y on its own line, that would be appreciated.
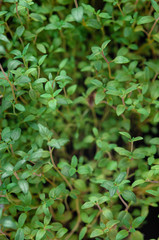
column 78, row 116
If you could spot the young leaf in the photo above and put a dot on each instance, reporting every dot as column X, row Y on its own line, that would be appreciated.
column 104, row 45
column 19, row 234
column 129, row 196
column 40, row 234
column 77, row 13
column 137, row 222
column 125, row 134
column 99, row 97
column 96, row 233
column 74, row 161
column 122, row 234
column 121, row 60
column 120, row 109
column 82, row 233
column 138, row 182
column 24, row 186
column 120, row 177
column 145, row 19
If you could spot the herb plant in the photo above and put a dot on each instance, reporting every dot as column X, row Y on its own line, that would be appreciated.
column 78, row 118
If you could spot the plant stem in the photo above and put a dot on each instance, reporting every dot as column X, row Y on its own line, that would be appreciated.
column 77, row 223
column 76, row 3
column 106, row 60
column 123, row 101
column 71, row 188
column 131, row 146
column 153, row 27
column 151, row 181
column 18, row 13
column 120, row 9
column 16, row 175
column 123, row 201
column 56, row 168
column 11, row 85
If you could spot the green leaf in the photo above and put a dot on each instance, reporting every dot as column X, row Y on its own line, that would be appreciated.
column 136, row 139
column 154, row 141
column 41, row 47
column 19, row 234
column 56, row 226
column 24, row 186
column 96, row 233
column 72, row 171
column 4, row 38
column 36, row 17
column 122, row 151
column 152, row 192
column 13, row 64
column 71, row 90
column 20, row 30
column 137, row 222
column 129, row 196
column 107, row 184
column 61, row 232
column 99, row 97
column 145, row 19
column 52, row 104
column 44, row 132
column 2, row 13
column 82, row 233
column 41, row 60
column 120, row 177
column 15, row 134
column 121, row 60
column 20, row 107
column 21, row 220
column 156, row 118
column 104, row 15
column 87, row 205
column 104, row 45
column 120, row 109
column 84, row 170
column 122, row 234
column 125, row 134
column 74, row 161
column 40, row 234
column 63, row 63
column 57, row 143
column 111, row 223
column 77, row 13
column 138, row 182
column 155, row 5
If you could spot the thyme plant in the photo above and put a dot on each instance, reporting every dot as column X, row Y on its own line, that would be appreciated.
column 78, row 118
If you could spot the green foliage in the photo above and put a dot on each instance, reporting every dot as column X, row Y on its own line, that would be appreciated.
column 79, row 118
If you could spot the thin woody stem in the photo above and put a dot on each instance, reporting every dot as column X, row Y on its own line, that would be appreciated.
column 153, row 26
column 109, row 69
column 76, row 3
column 122, row 200
column 56, row 168
column 16, row 175
column 11, row 85
column 18, row 13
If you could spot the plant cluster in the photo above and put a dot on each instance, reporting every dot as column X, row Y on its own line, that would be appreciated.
column 78, row 118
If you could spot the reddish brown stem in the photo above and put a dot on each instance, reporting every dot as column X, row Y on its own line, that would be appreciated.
column 153, row 26
column 18, row 13
column 56, row 168
column 122, row 200
column 11, row 85
column 106, row 60
column 16, row 175
column 76, row 3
